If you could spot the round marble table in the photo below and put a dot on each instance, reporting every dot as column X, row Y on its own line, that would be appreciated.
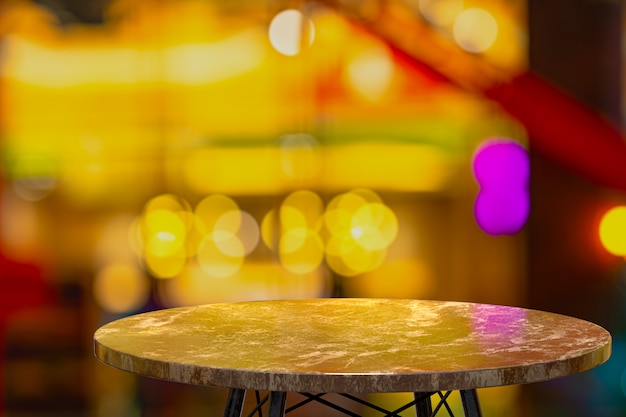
column 344, row 345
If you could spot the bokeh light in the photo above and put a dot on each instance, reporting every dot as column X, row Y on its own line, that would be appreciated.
column 211, row 209
column 119, row 241
column 360, row 229
column 308, row 206
column 217, row 234
column 346, row 257
column 301, row 248
column 164, row 266
column 374, row 226
column 475, row 30
column 165, row 233
column 220, row 255
column 164, row 228
column 370, row 72
column 121, row 288
column 19, row 228
column 612, row 230
column 270, row 229
column 248, row 231
column 352, row 233
column 440, row 12
column 226, row 233
column 502, row 170
column 289, row 30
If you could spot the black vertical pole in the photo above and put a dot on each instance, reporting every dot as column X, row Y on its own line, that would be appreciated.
column 234, row 405
column 423, row 405
column 469, row 398
column 278, row 400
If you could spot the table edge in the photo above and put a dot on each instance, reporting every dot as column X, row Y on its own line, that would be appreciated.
column 351, row 382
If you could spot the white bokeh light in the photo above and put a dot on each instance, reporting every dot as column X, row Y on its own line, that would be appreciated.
column 475, row 30
column 287, row 30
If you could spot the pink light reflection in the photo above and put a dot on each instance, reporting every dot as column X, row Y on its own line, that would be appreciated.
column 496, row 325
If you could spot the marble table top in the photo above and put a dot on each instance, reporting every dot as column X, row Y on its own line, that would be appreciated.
column 352, row 345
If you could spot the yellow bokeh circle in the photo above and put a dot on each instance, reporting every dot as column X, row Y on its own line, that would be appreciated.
column 374, row 226
column 612, row 231
column 211, row 209
column 164, row 233
column 301, row 251
column 360, row 230
column 165, row 266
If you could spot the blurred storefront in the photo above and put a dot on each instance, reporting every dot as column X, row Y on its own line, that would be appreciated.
column 163, row 153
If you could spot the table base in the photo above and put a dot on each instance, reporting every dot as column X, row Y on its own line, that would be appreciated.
column 275, row 404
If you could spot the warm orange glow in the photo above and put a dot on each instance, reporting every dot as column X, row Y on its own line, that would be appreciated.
column 440, row 12
column 121, row 288
column 399, row 278
column 20, row 230
column 218, row 109
column 253, row 281
column 370, row 72
column 134, row 86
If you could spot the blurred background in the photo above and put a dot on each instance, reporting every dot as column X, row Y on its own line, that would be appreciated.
column 161, row 153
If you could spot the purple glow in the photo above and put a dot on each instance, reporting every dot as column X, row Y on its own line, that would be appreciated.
column 498, row 324
column 502, row 169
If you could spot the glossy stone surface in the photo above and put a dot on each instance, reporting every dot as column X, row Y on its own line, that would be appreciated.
column 352, row 345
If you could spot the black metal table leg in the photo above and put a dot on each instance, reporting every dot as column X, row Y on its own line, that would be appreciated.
column 471, row 408
column 234, row 405
column 423, row 405
column 278, row 400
